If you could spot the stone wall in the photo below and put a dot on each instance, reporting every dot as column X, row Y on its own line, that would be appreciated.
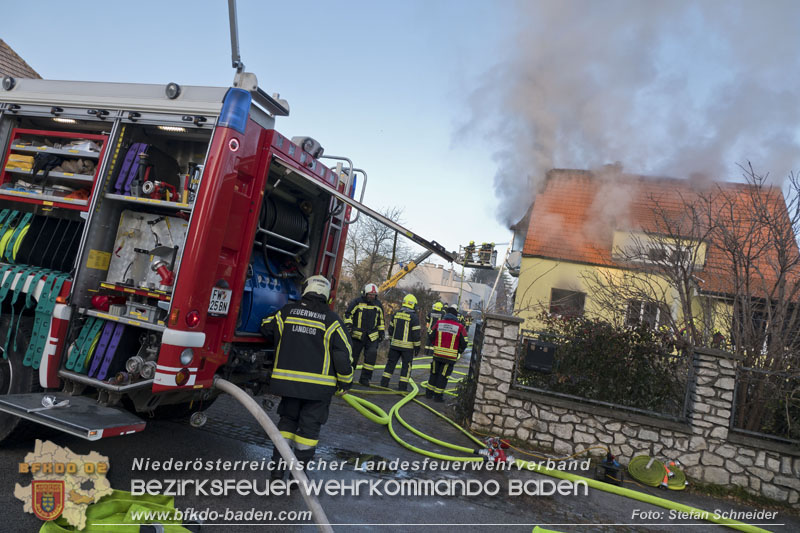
column 709, row 451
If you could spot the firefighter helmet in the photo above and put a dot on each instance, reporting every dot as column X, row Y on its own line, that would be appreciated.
column 410, row 301
column 370, row 288
column 451, row 310
column 318, row 285
column 438, row 306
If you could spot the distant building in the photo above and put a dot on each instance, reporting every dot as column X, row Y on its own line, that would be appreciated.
column 11, row 64
column 447, row 282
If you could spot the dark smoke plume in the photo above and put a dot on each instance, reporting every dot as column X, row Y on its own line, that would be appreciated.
column 664, row 87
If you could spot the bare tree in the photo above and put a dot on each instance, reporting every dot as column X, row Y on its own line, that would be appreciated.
column 660, row 264
column 756, row 235
column 368, row 253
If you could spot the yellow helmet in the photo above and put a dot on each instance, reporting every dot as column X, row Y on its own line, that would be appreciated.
column 438, row 306
column 410, row 301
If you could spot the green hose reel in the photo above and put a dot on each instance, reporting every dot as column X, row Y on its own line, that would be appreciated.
column 652, row 472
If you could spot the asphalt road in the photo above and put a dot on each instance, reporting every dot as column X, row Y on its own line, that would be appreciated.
column 231, row 434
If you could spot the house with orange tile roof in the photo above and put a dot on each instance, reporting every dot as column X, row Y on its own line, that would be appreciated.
column 591, row 237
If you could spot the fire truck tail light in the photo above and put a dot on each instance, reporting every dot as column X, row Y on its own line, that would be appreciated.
column 235, row 109
column 173, row 317
column 192, row 318
column 182, row 376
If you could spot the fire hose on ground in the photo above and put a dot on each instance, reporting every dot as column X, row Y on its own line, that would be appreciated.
column 283, row 447
column 376, row 414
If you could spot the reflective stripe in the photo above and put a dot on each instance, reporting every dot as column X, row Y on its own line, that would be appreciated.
column 403, row 378
column 279, row 320
column 345, row 379
column 326, row 362
column 402, row 344
column 346, row 342
column 308, row 442
column 306, row 322
column 305, row 377
column 387, row 375
column 367, row 367
column 298, row 439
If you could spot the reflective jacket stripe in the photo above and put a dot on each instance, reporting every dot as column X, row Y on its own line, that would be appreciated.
column 278, row 320
column 407, row 332
column 305, row 322
column 304, row 377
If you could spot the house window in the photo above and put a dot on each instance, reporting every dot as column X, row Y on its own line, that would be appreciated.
column 566, row 303
column 656, row 255
column 642, row 312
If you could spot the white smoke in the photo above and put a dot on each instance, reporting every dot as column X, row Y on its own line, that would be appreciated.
column 674, row 88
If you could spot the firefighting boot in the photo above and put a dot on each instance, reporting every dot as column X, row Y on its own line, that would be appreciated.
column 279, row 470
column 304, row 456
column 364, row 380
column 384, row 382
column 429, row 393
column 402, row 386
column 438, row 397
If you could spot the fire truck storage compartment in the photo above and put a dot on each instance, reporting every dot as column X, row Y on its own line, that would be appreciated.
column 137, row 232
column 50, row 170
column 49, row 162
column 283, row 252
column 139, row 225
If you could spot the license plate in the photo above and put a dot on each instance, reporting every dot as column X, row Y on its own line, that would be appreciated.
column 220, row 301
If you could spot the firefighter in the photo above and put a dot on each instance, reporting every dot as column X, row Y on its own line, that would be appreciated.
column 485, row 254
column 469, row 251
column 404, row 334
column 436, row 313
column 313, row 359
column 449, row 341
column 364, row 321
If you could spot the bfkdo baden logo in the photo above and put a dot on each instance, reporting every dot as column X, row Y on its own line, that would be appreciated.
column 64, row 483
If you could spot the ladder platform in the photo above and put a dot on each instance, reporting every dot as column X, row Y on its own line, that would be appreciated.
column 82, row 416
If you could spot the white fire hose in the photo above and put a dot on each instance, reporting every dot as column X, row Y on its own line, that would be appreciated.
column 283, row 447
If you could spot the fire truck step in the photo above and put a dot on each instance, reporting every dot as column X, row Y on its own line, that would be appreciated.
column 81, row 416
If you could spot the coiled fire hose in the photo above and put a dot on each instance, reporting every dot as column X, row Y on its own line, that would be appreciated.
column 379, row 416
column 283, row 447
column 652, row 472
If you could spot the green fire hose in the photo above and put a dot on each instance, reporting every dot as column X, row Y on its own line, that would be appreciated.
column 379, row 416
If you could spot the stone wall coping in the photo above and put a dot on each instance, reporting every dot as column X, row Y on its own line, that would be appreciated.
column 600, row 410
column 721, row 354
column 763, row 443
column 505, row 318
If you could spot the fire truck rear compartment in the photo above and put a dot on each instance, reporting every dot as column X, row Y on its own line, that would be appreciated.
column 282, row 253
column 132, row 257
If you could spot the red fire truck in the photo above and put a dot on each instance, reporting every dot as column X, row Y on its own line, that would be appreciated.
column 145, row 231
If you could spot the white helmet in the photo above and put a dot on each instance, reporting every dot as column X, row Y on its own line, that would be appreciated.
column 319, row 285
column 370, row 288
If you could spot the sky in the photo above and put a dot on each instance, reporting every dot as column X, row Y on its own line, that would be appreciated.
column 384, row 84
column 457, row 108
